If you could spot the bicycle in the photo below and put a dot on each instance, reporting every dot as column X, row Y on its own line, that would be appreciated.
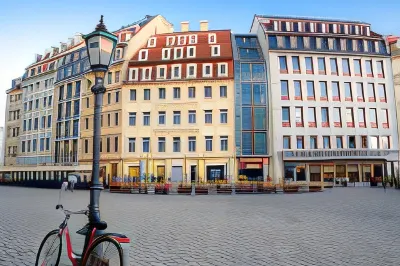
column 95, row 248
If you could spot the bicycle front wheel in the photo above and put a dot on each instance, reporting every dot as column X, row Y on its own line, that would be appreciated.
column 49, row 250
column 104, row 251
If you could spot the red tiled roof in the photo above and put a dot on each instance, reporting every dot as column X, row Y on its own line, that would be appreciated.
column 392, row 39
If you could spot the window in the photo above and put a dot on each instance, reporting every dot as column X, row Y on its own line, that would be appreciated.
column 223, row 91
column 286, row 142
column 360, row 92
column 299, row 117
column 161, row 144
column 131, row 144
column 351, row 142
column 371, row 92
column 109, row 120
column 323, row 91
column 132, row 118
column 311, row 117
column 357, row 67
column 224, row 143
column 364, row 142
column 132, row 95
column 166, row 53
column 191, row 70
column 208, row 116
column 313, row 142
column 146, row 118
column 152, row 42
column 176, row 146
column 335, row 91
column 321, row 66
column 339, row 142
column 109, row 77
column 161, row 93
column 361, row 117
column 374, row 143
column 309, row 65
column 117, row 76
column 297, row 90
column 37, row 104
column 41, row 144
column 49, row 121
column 191, row 51
column 215, row 50
column 146, row 94
column 34, row 145
column 346, row 67
column 382, row 93
column 117, row 96
column 334, row 69
column 385, row 118
column 36, row 123
column 283, row 64
column 300, row 142
column 207, row 70
column 212, row 38
column 285, row 117
column 86, row 146
column 192, row 117
column 178, row 52
column 284, row 90
column 109, row 98
column 177, row 117
column 286, row 40
column 192, row 92
column 161, row 72
column 176, row 71
column 146, row 144
column 310, row 90
column 207, row 92
column 373, row 118
column 161, row 117
column 192, row 39
column 87, row 102
column 349, row 117
column 347, row 92
column 86, row 123
column 223, row 115
column 325, row 116
column 349, row 42
column 209, row 144
column 296, row 64
column 177, row 93
column 116, row 119
column 368, row 67
column 379, row 66
column 143, row 54
column 192, row 144
column 326, row 142
column 259, row 94
column 222, row 69
column 337, row 117
column 385, row 142
column 116, row 144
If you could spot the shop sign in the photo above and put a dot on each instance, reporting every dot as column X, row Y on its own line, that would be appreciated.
column 338, row 154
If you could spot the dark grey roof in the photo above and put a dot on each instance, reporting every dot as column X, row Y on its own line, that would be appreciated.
column 312, row 18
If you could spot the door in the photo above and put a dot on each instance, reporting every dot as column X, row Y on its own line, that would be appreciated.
column 300, row 173
column 176, row 175
column 193, row 170
column 160, row 173
column 134, row 172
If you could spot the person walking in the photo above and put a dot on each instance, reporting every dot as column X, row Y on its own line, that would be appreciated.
column 65, row 184
column 72, row 185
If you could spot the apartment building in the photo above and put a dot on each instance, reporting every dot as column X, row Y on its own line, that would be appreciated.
column 130, row 39
column 178, row 107
column 12, row 128
column 331, row 99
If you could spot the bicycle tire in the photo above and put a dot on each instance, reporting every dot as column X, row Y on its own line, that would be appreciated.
column 51, row 233
column 96, row 243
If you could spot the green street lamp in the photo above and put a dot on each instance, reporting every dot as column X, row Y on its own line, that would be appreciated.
column 100, row 46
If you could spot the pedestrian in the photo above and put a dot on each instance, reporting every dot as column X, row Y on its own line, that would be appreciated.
column 72, row 185
column 65, row 184
column 384, row 184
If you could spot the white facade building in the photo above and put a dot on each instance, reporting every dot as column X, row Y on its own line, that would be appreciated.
column 2, row 141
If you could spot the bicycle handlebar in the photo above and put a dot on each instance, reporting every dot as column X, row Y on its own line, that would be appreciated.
column 68, row 212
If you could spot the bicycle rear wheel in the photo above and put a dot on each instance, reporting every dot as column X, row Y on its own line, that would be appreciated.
column 50, row 250
column 104, row 251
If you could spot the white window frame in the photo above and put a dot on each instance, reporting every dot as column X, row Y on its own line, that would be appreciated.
column 128, row 36
column 175, row 50
column 209, row 38
column 121, row 52
column 187, row 70
column 180, row 40
column 169, row 53
column 190, row 39
column 212, row 50
column 136, row 77
column 173, row 71
column 149, row 42
column 170, row 40
column 146, row 52
column 219, row 70
column 204, row 70
column 144, row 72
column 194, row 51
column 165, row 71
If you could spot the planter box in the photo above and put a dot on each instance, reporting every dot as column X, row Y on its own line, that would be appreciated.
column 291, row 189
column 315, row 188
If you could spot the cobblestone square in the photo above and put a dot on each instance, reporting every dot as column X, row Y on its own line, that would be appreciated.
column 341, row 226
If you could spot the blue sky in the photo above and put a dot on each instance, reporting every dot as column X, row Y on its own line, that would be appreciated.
column 29, row 27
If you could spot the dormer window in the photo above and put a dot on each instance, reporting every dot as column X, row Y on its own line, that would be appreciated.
column 151, row 42
column 128, row 37
column 176, row 71
column 170, row 40
column 118, row 53
column 178, row 53
column 207, row 70
column 215, row 50
column 191, row 70
column 191, row 51
column 161, row 72
column 182, row 40
column 192, row 39
column 212, row 38
column 133, row 74
column 166, row 53
column 146, row 73
column 143, row 55
column 222, row 69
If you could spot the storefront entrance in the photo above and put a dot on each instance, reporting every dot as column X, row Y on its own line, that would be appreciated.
column 215, row 173
column 160, row 173
column 134, row 171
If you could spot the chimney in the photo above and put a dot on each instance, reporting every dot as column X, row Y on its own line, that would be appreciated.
column 184, row 26
column 203, row 25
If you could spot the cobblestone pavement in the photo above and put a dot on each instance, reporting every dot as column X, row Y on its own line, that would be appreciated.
column 342, row 226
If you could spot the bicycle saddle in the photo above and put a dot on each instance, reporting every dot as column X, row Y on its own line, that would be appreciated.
column 99, row 225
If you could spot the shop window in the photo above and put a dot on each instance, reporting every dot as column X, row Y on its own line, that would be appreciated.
column 353, row 175
column 315, row 173
column 366, row 173
column 328, row 173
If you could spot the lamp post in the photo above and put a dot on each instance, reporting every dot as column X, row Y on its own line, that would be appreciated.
column 100, row 46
